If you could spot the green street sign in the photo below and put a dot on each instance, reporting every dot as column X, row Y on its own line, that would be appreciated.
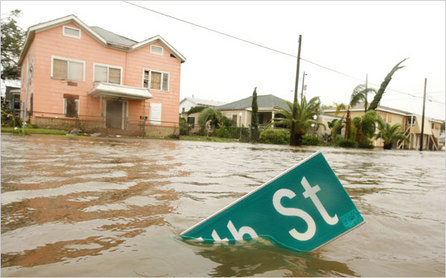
column 302, row 209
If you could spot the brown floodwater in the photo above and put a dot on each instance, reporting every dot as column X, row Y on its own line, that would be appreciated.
column 116, row 207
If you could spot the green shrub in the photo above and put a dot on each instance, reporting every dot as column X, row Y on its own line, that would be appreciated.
column 184, row 130
column 347, row 143
column 366, row 144
column 221, row 131
column 309, row 140
column 275, row 136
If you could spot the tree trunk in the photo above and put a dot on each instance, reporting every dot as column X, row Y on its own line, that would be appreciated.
column 299, row 139
column 347, row 125
column 388, row 146
column 360, row 134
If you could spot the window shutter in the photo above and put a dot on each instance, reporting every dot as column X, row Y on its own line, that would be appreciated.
column 60, row 69
column 100, row 73
column 155, row 80
column 155, row 113
column 76, row 71
column 114, row 75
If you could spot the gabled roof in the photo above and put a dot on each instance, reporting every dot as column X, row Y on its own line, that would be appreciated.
column 264, row 101
column 202, row 102
column 112, row 38
column 106, row 38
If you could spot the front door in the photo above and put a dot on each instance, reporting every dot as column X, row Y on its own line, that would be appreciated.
column 114, row 114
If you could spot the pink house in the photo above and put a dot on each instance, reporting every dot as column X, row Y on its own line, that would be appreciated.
column 74, row 75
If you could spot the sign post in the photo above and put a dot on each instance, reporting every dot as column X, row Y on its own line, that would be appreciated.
column 302, row 209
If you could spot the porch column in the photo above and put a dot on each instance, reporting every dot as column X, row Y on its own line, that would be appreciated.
column 272, row 118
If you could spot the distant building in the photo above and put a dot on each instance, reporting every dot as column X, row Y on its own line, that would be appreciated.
column 240, row 111
column 410, row 123
column 188, row 102
column 11, row 95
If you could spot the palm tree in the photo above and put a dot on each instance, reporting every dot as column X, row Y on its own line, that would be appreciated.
column 209, row 114
column 306, row 115
column 360, row 94
column 365, row 125
column 389, row 133
column 383, row 86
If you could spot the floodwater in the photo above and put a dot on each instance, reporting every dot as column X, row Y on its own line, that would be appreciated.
column 116, row 207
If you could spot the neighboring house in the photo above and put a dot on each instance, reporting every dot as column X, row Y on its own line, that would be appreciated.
column 326, row 119
column 188, row 102
column 410, row 123
column 240, row 111
column 11, row 95
column 74, row 75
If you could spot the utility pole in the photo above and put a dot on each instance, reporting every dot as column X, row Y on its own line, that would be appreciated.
column 293, row 137
column 303, row 85
column 422, row 117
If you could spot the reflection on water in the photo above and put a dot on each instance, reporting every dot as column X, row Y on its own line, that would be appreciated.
column 115, row 207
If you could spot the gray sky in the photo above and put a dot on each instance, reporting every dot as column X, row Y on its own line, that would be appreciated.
column 354, row 38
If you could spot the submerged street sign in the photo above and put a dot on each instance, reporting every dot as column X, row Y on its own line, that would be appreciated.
column 302, row 209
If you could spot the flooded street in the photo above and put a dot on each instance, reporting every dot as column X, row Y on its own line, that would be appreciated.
column 116, row 207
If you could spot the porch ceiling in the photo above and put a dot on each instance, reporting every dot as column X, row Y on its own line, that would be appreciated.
column 114, row 90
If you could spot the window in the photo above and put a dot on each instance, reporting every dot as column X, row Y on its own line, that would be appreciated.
column 71, row 32
column 410, row 121
column 16, row 101
column 71, row 106
column 156, row 80
column 155, row 113
column 155, row 49
column 191, row 122
column 104, row 73
column 67, row 69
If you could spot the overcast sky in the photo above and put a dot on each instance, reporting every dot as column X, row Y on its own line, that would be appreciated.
column 353, row 38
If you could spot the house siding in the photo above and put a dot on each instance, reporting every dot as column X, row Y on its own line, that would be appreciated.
column 49, row 92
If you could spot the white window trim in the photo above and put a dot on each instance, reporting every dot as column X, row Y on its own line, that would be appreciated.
column 162, row 50
column 69, row 35
column 150, row 76
column 68, row 60
column 108, row 67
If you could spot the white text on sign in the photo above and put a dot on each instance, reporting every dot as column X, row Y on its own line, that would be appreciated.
column 310, row 192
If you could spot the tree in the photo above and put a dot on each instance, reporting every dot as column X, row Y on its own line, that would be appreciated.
column 209, row 114
column 374, row 104
column 12, row 39
column 305, row 116
column 254, row 117
column 336, row 127
column 365, row 127
column 389, row 133
column 215, row 118
column 360, row 94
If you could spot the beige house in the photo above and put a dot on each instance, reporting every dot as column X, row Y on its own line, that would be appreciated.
column 410, row 123
column 240, row 111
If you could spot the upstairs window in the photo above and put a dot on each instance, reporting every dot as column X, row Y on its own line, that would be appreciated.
column 67, row 69
column 156, row 80
column 72, row 32
column 104, row 73
column 155, row 49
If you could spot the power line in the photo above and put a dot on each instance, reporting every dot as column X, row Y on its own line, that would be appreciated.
column 268, row 48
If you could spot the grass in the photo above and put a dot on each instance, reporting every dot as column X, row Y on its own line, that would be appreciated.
column 204, row 139
column 31, row 130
